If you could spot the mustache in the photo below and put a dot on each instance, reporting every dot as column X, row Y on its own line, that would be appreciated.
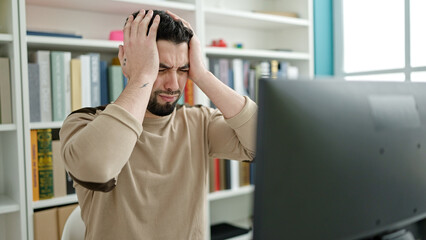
column 177, row 92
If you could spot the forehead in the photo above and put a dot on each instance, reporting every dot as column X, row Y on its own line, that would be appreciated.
column 173, row 54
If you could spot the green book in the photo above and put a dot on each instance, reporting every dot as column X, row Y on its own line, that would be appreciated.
column 115, row 82
column 57, row 68
column 45, row 163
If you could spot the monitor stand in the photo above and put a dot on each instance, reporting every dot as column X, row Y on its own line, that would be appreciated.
column 399, row 235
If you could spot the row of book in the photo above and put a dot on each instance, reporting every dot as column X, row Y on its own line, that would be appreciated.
column 227, row 174
column 49, row 223
column 49, row 178
column 59, row 84
column 243, row 75
column 5, row 92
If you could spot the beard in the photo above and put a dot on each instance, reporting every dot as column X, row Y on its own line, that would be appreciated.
column 162, row 110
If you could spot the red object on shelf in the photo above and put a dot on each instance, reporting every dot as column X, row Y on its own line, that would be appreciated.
column 219, row 43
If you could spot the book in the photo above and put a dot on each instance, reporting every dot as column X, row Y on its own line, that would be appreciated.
column 104, row 82
column 189, row 92
column 34, row 91
column 58, row 85
column 45, row 164
column 67, row 83
column 76, row 84
column 34, row 165
column 115, row 82
column 59, row 175
column 216, row 174
column 95, row 77
column 235, row 174
column 238, row 70
column 5, row 92
column 244, row 174
column 222, row 231
column 211, row 175
column 42, row 58
column 45, row 224
column 70, row 184
column 86, row 85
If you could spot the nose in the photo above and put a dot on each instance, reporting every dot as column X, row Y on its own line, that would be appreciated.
column 172, row 81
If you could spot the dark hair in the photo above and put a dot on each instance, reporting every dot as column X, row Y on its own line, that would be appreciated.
column 169, row 29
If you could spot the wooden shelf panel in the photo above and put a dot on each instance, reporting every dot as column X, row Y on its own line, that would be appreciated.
column 248, row 19
column 230, row 193
column 7, row 205
column 255, row 53
column 69, row 199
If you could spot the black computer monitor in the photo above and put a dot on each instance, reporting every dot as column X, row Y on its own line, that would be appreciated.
column 339, row 160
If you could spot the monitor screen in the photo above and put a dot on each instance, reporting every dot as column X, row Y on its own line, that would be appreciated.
column 339, row 160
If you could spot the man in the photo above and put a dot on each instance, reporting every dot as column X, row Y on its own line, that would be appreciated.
column 140, row 165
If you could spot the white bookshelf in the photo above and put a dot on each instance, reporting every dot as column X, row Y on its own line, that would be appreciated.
column 45, row 125
column 247, row 19
column 12, row 168
column 7, row 205
column 256, row 54
column 233, row 21
column 53, row 202
column 71, row 44
column 7, row 127
column 231, row 193
column 5, row 38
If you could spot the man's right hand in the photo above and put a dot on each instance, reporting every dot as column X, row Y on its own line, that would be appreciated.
column 139, row 56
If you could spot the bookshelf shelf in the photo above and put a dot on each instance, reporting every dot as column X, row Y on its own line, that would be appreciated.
column 255, row 53
column 247, row 19
column 5, row 37
column 162, row 5
column 7, row 205
column 45, row 125
column 69, row 199
column 71, row 44
column 230, row 193
column 115, row 6
column 7, row 127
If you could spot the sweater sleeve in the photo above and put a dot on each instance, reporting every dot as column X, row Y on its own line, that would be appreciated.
column 96, row 146
column 234, row 138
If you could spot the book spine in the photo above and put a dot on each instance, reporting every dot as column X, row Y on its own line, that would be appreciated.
column 5, row 92
column 67, row 82
column 104, row 82
column 86, row 98
column 70, row 184
column 95, row 79
column 59, row 177
column 76, row 84
column 115, row 82
column 34, row 86
column 42, row 58
column 34, row 165
column 235, row 174
column 189, row 92
column 45, row 164
column 216, row 174
column 58, row 86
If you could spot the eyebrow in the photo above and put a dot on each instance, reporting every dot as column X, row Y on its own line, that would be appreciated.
column 162, row 65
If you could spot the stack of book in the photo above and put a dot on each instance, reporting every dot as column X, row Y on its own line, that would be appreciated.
column 49, row 177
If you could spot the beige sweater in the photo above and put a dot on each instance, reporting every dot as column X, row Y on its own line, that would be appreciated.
column 149, row 181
